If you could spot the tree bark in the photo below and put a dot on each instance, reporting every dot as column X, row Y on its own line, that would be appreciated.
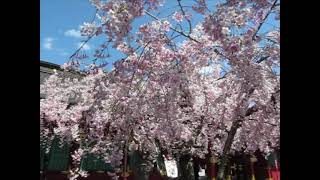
column 232, row 132
column 186, row 168
column 196, row 168
column 140, row 166
column 226, row 150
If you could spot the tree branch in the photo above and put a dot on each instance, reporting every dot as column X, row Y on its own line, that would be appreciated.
column 263, row 122
column 264, row 20
column 87, row 40
column 184, row 16
column 262, row 59
column 180, row 32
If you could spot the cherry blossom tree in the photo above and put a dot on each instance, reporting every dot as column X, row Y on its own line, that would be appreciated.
column 215, row 91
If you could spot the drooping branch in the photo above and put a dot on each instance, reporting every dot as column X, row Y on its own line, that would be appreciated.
column 271, row 124
column 263, row 20
column 184, row 16
column 180, row 32
column 87, row 40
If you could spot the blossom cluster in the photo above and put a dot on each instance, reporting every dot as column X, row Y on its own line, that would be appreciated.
column 182, row 99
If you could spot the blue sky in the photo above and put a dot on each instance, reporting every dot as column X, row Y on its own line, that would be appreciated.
column 60, row 21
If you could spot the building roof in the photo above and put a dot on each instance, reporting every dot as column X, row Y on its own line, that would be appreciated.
column 49, row 65
column 47, row 69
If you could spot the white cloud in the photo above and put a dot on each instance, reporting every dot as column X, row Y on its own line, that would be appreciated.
column 85, row 47
column 73, row 33
column 48, row 43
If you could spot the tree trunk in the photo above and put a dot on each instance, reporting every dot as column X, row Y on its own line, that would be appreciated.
column 186, row 168
column 196, row 168
column 161, row 166
column 226, row 150
column 233, row 130
column 139, row 167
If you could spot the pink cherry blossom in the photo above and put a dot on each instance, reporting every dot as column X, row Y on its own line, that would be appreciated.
column 183, row 97
column 165, row 26
column 177, row 16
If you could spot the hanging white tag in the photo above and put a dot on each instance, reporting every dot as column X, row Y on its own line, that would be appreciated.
column 202, row 172
column 171, row 168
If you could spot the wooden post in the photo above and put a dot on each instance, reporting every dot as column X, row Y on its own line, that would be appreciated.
column 213, row 161
column 253, row 159
column 241, row 177
column 125, row 174
column 276, row 174
column 269, row 174
column 233, row 170
column 229, row 177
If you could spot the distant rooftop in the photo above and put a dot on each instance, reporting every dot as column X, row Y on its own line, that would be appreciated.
column 47, row 69
column 49, row 65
